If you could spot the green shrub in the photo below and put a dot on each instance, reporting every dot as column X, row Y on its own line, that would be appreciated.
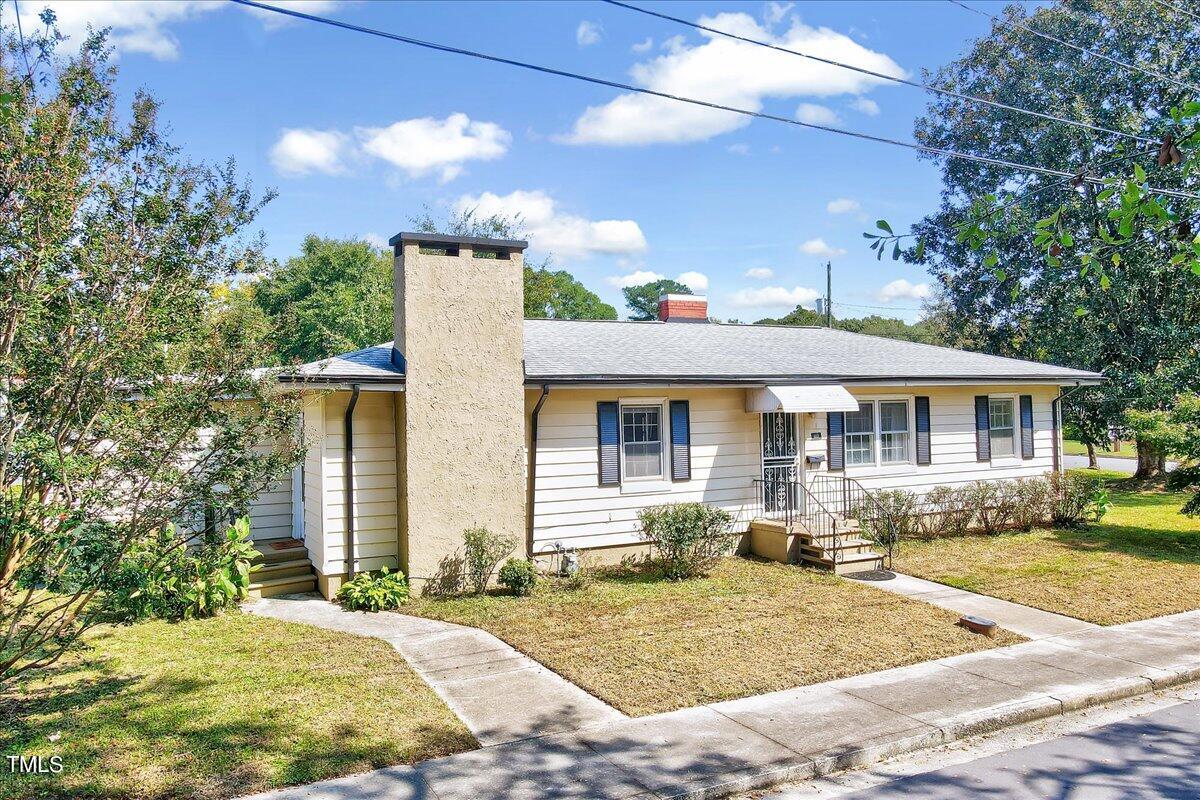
column 686, row 538
column 1031, row 502
column 1071, row 499
column 166, row 578
column 374, row 591
column 993, row 502
column 892, row 516
column 482, row 553
column 518, row 575
column 951, row 507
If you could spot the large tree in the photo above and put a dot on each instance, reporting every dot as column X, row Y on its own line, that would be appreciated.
column 127, row 398
column 643, row 300
column 1087, row 276
column 873, row 325
column 334, row 297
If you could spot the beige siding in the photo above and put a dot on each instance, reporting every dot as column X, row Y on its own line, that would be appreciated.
column 952, row 439
column 314, row 480
column 374, row 483
column 570, row 506
column 271, row 512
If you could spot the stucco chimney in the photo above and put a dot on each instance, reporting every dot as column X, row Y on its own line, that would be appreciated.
column 683, row 308
column 459, row 317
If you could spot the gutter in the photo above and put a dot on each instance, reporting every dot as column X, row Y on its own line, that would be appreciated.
column 1056, row 416
column 349, row 477
column 529, row 489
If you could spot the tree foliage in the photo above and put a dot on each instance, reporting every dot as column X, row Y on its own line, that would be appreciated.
column 334, row 297
column 1101, row 277
column 1176, row 432
column 127, row 398
column 643, row 300
column 873, row 325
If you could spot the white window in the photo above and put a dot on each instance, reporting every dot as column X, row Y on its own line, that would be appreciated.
column 1000, row 410
column 893, row 432
column 641, row 442
column 860, row 435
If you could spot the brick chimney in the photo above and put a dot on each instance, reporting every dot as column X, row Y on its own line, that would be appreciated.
column 683, row 308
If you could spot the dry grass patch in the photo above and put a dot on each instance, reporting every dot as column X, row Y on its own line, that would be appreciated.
column 1142, row 561
column 220, row 707
column 646, row 645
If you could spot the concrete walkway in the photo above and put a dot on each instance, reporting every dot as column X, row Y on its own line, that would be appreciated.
column 500, row 694
column 1032, row 623
column 720, row 749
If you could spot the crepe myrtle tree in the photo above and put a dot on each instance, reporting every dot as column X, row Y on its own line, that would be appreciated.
column 128, row 398
column 1101, row 270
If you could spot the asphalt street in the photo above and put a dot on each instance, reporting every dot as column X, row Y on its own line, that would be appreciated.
column 1151, row 756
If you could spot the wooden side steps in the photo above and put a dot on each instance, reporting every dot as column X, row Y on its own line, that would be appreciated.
column 285, row 570
column 850, row 553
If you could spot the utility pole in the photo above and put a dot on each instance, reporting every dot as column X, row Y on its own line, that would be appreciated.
column 828, row 294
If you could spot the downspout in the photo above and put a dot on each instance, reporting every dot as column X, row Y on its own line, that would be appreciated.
column 1057, row 417
column 533, row 440
column 349, row 474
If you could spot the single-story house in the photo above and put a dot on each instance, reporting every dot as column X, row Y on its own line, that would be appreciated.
column 557, row 432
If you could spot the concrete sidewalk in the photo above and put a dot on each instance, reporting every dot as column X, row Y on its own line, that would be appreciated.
column 712, row 751
column 1032, row 623
column 501, row 694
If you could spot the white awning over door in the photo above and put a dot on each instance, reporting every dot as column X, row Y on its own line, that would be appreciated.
column 800, row 399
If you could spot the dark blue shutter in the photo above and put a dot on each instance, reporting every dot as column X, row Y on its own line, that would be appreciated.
column 1026, row 426
column 836, row 421
column 1055, row 441
column 609, row 435
column 681, row 441
column 983, row 428
column 923, row 454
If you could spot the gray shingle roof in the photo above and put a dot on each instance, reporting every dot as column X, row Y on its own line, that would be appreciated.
column 656, row 350
column 587, row 350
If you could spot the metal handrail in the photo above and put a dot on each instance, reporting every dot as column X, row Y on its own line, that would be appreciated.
column 792, row 501
column 852, row 496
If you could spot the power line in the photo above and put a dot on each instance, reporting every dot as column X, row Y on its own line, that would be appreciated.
column 883, row 76
column 1084, row 50
column 939, row 151
column 21, row 36
column 876, row 308
column 1177, row 9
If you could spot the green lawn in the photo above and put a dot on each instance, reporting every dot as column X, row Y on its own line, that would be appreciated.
column 647, row 645
column 1074, row 448
column 220, row 707
column 1142, row 561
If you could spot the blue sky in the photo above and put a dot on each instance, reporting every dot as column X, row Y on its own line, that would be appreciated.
column 357, row 134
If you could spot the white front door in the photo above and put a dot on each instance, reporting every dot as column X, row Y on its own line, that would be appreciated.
column 782, row 460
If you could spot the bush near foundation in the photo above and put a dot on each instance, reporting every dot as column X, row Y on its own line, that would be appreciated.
column 686, row 539
column 374, row 591
column 519, row 576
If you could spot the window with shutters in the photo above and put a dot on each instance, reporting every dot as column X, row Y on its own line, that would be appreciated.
column 860, row 435
column 642, row 442
column 893, row 432
column 1002, row 419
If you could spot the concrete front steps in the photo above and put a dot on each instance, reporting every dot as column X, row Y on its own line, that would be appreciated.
column 281, row 571
column 849, row 553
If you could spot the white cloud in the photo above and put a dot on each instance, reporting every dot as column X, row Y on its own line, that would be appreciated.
column 760, row 273
column 729, row 72
column 144, row 26
column 424, row 145
column 588, row 33
column 842, row 205
column 556, row 232
column 272, row 21
column 901, row 289
column 644, row 46
column 815, row 114
column 818, row 247
column 375, row 240
column 696, row 281
column 774, row 13
column 739, row 149
column 866, row 106
column 301, row 151
column 635, row 278
column 774, row 297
